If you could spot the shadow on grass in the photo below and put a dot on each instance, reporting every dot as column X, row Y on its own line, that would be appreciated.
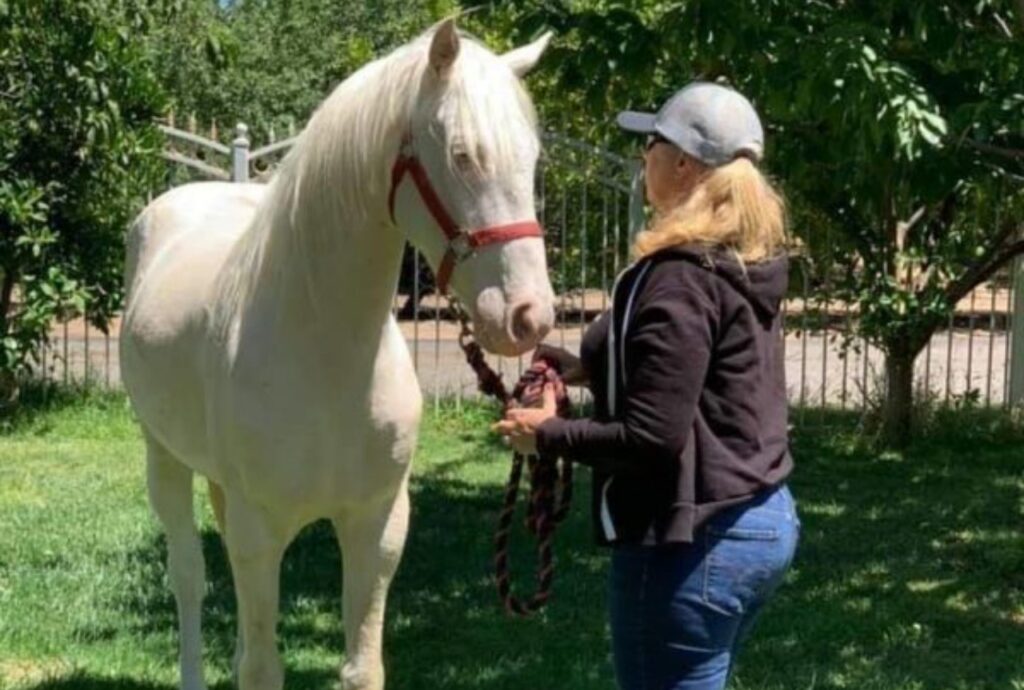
column 445, row 627
column 84, row 681
column 907, row 576
column 910, row 572
column 38, row 401
column 81, row 681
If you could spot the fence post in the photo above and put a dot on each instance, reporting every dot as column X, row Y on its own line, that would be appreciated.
column 240, row 154
column 1016, row 331
column 637, row 217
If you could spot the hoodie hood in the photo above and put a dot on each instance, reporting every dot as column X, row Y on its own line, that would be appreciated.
column 762, row 284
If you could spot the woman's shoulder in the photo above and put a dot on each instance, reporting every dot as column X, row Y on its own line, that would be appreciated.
column 723, row 281
column 685, row 267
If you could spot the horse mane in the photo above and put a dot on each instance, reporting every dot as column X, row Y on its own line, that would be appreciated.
column 334, row 180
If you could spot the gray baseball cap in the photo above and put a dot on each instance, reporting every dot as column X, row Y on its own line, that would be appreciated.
column 711, row 122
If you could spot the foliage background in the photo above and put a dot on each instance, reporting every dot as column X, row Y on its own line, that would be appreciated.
column 895, row 127
column 78, row 102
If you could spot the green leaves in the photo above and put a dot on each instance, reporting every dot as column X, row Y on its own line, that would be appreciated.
column 269, row 64
column 874, row 112
column 22, row 204
column 908, row 110
column 76, row 144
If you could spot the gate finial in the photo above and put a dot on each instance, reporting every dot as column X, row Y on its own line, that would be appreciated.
column 240, row 154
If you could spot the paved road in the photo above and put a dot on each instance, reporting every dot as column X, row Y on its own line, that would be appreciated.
column 815, row 369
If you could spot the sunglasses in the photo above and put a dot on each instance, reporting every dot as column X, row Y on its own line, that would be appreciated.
column 653, row 139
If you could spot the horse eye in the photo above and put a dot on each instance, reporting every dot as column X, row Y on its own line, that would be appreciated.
column 463, row 161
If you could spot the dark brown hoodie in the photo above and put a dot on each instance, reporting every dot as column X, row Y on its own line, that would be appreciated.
column 693, row 417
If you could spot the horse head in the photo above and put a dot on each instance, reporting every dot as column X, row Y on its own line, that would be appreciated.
column 462, row 187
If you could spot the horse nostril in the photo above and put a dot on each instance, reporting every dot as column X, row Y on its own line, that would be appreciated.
column 526, row 322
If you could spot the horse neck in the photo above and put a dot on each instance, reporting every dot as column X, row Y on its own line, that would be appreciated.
column 325, row 256
column 325, row 273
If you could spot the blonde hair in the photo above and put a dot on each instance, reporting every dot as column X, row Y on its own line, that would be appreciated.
column 733, row 206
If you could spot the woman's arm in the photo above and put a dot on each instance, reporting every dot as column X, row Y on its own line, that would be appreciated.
column 669, row 347
column 569, row 365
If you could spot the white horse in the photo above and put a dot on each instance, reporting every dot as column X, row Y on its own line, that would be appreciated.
column 258, row 346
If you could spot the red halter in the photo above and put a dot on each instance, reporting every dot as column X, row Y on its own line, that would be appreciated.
column 462, row 244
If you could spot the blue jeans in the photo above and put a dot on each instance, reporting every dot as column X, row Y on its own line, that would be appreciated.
column 680, row 611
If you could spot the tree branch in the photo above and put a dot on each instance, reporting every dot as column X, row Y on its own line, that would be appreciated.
column 983, row 270
column 903, row 228
column 1005, row 152
column 940, row 215
column 1003, row 26
column 6, row 292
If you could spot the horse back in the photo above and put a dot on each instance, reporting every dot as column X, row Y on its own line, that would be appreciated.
column 176, row 248
column 200, row 212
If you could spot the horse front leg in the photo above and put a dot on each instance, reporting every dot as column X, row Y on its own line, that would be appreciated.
column 170, row 494
column 372, row 538
column 256, row 544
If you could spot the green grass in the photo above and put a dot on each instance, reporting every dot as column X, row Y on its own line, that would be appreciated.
column 910, row 574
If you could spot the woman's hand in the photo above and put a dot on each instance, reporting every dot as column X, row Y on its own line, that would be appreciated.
column 520, row 424
column 569, row 365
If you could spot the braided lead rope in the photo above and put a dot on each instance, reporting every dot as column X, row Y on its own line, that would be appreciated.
column 550, row 478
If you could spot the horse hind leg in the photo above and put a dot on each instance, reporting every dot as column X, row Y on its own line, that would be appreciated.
column 170, row 495
column 218, row 503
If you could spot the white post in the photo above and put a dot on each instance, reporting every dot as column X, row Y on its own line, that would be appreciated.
column 1016, row 331
column 240, row 154
column 637, row 215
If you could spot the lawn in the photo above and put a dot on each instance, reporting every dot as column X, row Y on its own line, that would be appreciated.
column 910, row 574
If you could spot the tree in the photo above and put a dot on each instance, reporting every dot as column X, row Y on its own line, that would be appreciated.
column 77, row 102
column 269, row 63
column 896, row 127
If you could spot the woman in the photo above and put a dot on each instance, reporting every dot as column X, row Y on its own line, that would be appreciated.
column 688, row 442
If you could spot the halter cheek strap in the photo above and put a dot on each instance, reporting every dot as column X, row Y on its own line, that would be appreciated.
column 461, row 244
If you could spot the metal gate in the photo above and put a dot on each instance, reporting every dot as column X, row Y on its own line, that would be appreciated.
column 590, row 200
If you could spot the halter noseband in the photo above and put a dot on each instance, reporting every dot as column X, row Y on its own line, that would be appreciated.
column 462, row 244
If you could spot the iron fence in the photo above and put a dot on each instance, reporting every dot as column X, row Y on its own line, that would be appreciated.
column 590, row 202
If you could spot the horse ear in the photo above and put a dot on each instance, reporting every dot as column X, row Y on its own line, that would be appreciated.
column 523, row 59
column 444, row 48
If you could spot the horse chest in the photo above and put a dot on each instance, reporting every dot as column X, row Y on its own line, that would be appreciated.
column 319, row 437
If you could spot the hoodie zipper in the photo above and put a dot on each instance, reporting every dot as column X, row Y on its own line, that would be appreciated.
column 607, row 524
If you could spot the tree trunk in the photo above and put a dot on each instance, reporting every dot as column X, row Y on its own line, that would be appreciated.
column 6, row 293
column 8, row 382
column 898, row 410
